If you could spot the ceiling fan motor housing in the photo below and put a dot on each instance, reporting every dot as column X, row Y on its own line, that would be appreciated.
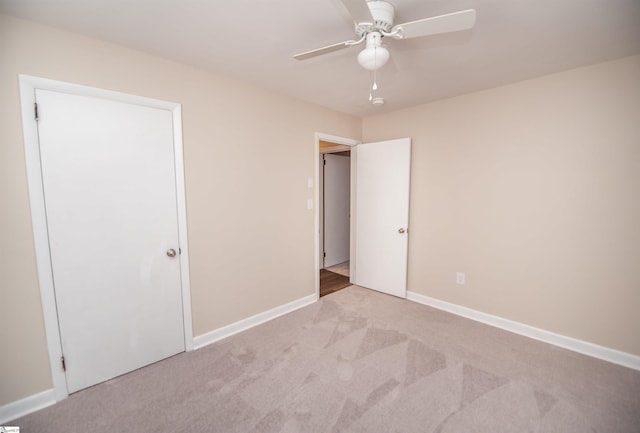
column 382, row 13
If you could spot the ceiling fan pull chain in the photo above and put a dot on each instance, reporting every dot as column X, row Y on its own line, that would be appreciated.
column 375, row 81
column 371, row 89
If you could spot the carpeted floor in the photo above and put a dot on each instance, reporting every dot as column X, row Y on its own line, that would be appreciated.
column 360, row 361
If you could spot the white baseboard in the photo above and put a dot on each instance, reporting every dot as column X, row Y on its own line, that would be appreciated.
column 586, row 348
column 46, row 398
column 19, row 408
column 250, row 322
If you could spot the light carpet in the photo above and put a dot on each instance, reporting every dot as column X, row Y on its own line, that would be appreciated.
column 360, row 361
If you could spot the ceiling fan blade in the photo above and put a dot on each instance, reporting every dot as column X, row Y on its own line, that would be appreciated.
column 359, row 10
column 453, row 22
column 323, row 50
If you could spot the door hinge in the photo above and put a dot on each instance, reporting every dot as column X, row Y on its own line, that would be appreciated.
column 179, row 251
column 64, row 366
column 35, row 110
column 324, row 254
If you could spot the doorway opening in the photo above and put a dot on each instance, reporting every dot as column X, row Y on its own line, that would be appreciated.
column 379, row 213
column 334, row 215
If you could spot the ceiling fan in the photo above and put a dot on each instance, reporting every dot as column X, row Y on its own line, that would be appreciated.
column 374, row 20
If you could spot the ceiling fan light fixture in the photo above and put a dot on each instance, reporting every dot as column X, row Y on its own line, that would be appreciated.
column 374, row 19
column 374, row 56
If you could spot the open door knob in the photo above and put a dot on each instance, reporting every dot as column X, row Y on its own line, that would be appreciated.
column 171, row 252
column 401, row 230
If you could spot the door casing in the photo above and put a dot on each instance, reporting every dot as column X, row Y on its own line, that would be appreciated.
column 318, row 259
column 28, row 85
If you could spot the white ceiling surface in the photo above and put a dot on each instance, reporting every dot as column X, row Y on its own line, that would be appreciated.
column 254, row 40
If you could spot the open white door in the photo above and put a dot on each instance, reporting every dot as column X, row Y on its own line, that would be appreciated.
column 382, row 215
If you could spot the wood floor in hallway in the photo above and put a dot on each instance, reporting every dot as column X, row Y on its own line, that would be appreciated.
column 331, row 282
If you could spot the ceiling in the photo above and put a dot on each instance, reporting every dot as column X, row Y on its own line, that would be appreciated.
column 254, row 40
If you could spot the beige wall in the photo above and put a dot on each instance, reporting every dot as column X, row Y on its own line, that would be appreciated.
column 533, row 190
column 248, row 153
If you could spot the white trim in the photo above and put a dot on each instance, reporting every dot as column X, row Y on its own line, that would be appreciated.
column 353, row 228
column 244, row 324
column 316, row 158
column 27, row 405
column 611, row 355
column 181, row 202
column 47, row 398
column 337, row 140
column 38, row 218
column 28, row 86
column 316, row 214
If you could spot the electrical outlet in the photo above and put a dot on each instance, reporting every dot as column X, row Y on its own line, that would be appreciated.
column 460, row 278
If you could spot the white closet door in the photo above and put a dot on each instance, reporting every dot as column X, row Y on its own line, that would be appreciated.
column 110, row 198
